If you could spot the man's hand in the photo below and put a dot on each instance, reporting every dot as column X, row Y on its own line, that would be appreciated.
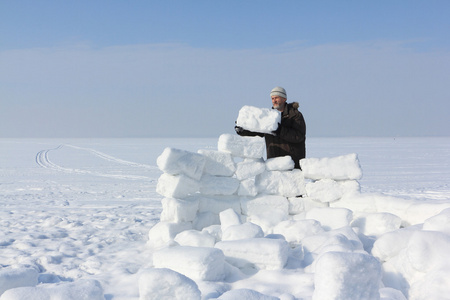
column 238, row 129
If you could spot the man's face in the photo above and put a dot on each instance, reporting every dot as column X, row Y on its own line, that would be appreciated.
column 278, row 102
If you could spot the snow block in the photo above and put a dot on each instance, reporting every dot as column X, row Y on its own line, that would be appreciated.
column 264, row 204
column 217, row 204
column 218, row 163
column 260, row 253
column 299, row 205
column 439, row 222
column 178, row 210
column 345, row 167
column 255, row 119
column 343, row 275
column 17, row 277
column 195, row 238
column 377, row 224
column 176, row 162
column 324, row 190
column 331, row 217
column 197, row 263
column 249, row 147
column 216, row 185
column 248, row 187
column 283, row 163
column 176, row 186
column 242, row 231
column 249, row 168
column 158, row 284
column 228, row 218
column 283, row 183
column 82, row 289
column 163, row 233
column 294, row 231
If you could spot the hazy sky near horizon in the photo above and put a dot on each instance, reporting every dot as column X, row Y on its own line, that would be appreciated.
column 185, row 68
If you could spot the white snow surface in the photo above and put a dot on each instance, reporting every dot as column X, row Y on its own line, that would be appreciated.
column 82, row 219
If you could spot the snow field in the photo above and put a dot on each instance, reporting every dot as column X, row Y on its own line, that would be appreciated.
column 81, row 224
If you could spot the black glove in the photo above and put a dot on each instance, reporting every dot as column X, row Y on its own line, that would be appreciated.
column 277, row 132
column 238, row 129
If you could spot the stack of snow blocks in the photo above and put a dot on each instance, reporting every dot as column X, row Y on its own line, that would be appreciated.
column 228, row 208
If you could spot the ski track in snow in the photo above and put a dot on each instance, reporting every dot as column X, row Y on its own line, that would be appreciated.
column 42, row 159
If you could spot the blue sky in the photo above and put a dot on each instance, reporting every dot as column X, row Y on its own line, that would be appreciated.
column 185, row 68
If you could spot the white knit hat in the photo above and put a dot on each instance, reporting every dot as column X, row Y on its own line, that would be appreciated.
column 278, row 91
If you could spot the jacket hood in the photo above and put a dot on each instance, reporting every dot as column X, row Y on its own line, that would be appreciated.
column 295, row 105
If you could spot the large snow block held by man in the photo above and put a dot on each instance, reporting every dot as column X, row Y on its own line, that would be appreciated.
column 251, row 147
column 345, row 167
column 346, row 275
column 175, row 162
column 197, row 263
column 156, row 284
column 255, row 119
column 260, row 253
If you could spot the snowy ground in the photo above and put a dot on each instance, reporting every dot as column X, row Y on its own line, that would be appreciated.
column 81, row 208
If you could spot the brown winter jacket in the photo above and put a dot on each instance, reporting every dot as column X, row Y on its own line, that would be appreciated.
column 289, row 138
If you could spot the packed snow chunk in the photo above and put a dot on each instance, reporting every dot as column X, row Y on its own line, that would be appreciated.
column 163, row 233
column 282, row 163
column 387, row 293
column 324, row 190
column 197, row 263
column 249, row 168
column 166, row 284
column 217, row 204
column 423, row 257
column 420, row 211
column 176, row 162
column 345, row 167
column 228, row 218
column 17, row 277
column 246, row 294
column 340, row 240
column 440, row 222
column 195, row 238
column 263, row 120
column 261, row 253
column 331, row 217
column 178, row 210
column 218, row 185
column 283, row 183
column 249, row 147
column 376, row 224
column 344, row 275
column 248, row 187
column 299, row 205
column 392, row 243
column 81, row 289
column 294, row 231
column 218, row 163
column 215, row 231
column 264, row 204
column 176, row 186
column 242, row 231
